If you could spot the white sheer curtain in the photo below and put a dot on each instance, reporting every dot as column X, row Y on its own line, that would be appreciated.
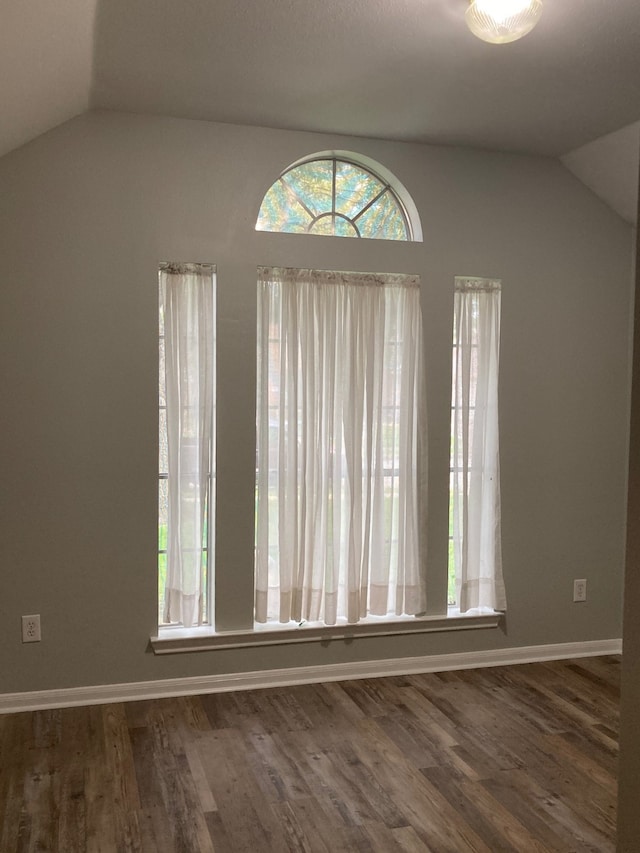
column 186, row 293
column 341, row 446
column 475, row 457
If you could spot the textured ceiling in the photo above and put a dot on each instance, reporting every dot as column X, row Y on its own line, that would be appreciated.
column 395, row 69
column 609, row 166
column 46, row 57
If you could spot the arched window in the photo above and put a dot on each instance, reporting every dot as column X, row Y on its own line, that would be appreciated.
column 338, row 197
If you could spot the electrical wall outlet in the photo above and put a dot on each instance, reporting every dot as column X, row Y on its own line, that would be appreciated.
column 580, row 590
column 31, row 628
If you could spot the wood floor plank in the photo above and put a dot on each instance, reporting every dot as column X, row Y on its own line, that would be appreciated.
column 279, row 770
column 422, row 804
column 178, row 790
column 519, row 758
column 124, row 799
column 313, row 821
column 206, row 798
column 569, row 789
column 531, row 807
column 325, row 772
column 582, row 831
column 14, row 767
column 409, row 841
column 244, row 811
column 570, row 752
column 73, row 748
column 510, row 828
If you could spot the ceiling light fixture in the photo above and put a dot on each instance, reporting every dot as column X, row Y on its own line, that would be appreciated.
column 502, row 21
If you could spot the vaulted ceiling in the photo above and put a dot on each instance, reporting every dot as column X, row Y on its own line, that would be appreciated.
column 46, row 64
column 393, row 69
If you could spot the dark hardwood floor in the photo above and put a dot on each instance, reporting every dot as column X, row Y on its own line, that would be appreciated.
column 519, row 758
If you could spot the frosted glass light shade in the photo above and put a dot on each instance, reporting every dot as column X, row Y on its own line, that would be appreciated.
column 502, row 21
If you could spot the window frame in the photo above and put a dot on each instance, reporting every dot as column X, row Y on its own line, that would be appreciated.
column 479, row 567
column 208, row 550
column 173, row 637
column 389, row 183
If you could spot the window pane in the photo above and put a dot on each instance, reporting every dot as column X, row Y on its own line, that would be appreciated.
column 312, row 184
column 163, row 499
column 206, row 572
column 163, row 513
column 281, row 211
column 383, row 220
column 162, row 379
column 163, row 460
column 162, row 582
column 451, row 582
column 324, row 225
column 355, row 188
column 343, row 228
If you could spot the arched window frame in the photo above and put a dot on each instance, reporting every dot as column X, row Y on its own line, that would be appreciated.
column 390, row 184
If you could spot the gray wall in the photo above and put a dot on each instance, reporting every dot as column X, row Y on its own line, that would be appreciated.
column 87, row 212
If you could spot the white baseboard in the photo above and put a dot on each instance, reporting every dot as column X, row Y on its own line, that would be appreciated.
column 100, row 694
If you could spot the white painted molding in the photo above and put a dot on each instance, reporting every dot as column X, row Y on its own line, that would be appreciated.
column 177, row 640
column 100, row 694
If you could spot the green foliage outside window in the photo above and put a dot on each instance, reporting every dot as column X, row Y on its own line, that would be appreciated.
column 335, row 198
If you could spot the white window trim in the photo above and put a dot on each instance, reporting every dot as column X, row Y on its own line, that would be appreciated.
column 174, row 640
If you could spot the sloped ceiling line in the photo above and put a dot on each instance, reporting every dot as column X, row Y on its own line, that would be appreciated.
column 391, row 69
column 609, row 167
column 46, row 59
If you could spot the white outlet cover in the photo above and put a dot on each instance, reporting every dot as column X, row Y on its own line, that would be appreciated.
column 580, row 590
column 31, row 628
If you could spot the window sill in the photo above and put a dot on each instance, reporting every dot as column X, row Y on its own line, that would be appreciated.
column 176, row 640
